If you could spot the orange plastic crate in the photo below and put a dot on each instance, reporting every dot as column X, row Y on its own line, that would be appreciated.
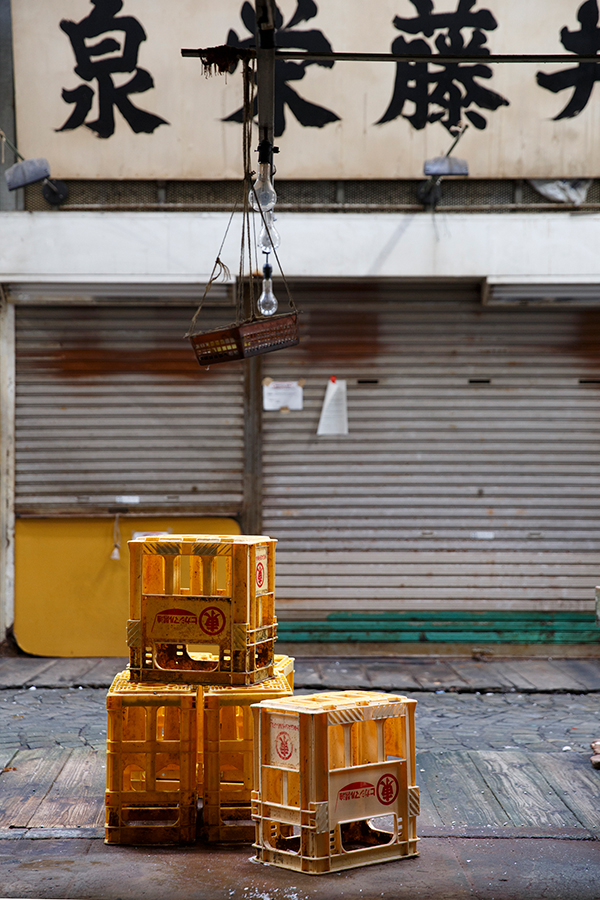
column 152, row 747
column 334, row 780
column 202, row 609
column 172, row 748
column 227, row 754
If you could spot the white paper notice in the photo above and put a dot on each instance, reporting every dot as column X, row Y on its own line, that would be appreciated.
column 280, row 394
column 334, row 415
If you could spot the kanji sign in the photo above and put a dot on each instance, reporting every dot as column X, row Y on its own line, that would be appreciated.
column 103, row 93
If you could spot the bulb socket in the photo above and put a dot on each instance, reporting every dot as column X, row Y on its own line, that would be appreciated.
column 265, row 152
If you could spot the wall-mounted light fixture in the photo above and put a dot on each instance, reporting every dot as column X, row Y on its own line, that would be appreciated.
column 429, row 192
column 30, row 171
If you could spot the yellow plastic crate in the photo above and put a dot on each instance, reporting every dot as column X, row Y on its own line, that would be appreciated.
column 228, row 750
column 284, row 666
column 334, row 780
column 172, row 748
column 151, row 757
column 202, row 609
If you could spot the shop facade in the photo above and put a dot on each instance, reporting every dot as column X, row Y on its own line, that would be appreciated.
column 461, row 505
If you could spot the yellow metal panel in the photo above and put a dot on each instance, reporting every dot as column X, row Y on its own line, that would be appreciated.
column 71, row 598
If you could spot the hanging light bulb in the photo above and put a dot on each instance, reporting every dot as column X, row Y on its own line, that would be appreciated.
column 267, row 302
column 268, row 239
column 263, row 195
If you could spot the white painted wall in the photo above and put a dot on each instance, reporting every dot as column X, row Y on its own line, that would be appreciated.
column 181, row 247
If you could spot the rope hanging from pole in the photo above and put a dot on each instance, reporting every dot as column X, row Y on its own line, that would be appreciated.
column 252, row 334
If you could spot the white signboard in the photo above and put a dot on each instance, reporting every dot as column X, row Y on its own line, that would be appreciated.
column 103, row 92
column 261, row 571
column 282, row 395
column 284, row 742
column 363, row 791
column 334, row 412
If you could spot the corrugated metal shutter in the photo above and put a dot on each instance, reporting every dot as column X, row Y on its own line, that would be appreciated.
column 112, row 409
column 471, row 472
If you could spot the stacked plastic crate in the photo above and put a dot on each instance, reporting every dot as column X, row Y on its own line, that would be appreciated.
column 204, row 734
column 335, row 780
column 201, row 636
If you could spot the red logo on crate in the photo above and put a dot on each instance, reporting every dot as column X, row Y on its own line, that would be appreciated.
column 174, row 617
column 283, row 745
column 356, row 791
column 387, row 789
column 260, row 575
column 212, row 620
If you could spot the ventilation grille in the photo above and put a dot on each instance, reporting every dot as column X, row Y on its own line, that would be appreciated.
column 464, row 195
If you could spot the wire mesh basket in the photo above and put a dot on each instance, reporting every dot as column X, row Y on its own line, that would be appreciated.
column 248, row 339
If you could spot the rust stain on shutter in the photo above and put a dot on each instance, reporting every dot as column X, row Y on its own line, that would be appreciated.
column 89, row 357
column 341, row 335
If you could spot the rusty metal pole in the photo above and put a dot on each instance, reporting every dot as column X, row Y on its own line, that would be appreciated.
column 265, row 71
column 265, row 83
column 251, row 519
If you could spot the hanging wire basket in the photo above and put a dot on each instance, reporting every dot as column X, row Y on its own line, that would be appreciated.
column 247, row 339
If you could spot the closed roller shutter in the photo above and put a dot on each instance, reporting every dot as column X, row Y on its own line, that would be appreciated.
column 113, row 410
column 470, row 476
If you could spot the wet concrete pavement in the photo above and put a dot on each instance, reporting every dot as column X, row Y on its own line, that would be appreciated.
column 538, row 853
column 76, row 717
column 447, row 869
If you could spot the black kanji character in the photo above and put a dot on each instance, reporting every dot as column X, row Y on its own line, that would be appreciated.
column 453, row 87
column 96, row 63
column 308, row 114
column 585, row 42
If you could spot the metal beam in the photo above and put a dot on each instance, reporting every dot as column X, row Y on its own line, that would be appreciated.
column 439, row 59
column 434, row 59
